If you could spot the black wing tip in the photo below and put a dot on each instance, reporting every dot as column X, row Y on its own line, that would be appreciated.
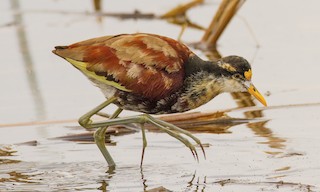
column 61, row 47
column 58, row 48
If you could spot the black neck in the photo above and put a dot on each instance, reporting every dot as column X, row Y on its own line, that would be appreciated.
column 195, row 64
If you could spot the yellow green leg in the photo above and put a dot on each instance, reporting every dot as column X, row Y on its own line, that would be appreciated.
column 105, row 115
column 99, row 138
column 99, row 135
column 85, row 120
column 170, row 129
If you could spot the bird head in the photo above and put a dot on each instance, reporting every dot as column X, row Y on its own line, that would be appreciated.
column 236, row 76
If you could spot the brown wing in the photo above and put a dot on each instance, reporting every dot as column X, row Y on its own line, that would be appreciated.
column 147, row 64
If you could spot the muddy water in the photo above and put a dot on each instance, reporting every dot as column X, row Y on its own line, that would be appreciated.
column 277, row 149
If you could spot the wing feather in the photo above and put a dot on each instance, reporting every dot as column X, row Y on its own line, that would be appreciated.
column 149, row 65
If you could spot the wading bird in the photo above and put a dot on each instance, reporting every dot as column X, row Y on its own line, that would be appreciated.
column 152, row 74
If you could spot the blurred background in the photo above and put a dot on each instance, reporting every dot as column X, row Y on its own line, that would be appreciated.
column 256, row 148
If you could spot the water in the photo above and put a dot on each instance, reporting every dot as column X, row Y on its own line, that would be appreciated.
column 278, row 151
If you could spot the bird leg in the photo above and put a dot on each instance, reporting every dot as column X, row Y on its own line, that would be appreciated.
column 144, row 142
column 99, row 138
column 170, row 129
column 85, row 120
column 102, row 114
column 99, row 135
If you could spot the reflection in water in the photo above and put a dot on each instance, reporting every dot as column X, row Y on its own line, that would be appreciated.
column 80, row 175
column 258, row 128
column 8, row 161
column 103, row 186
column 97, row 5
column 195, row 184
column 261, row 130
column 225, row 13
column 17, row 177
column 6, row 151
column 199, row 186
column 143, row 179
column 111, row 171
column 105, row 183
column 97, row 8
column 266, row 185
column 27, row 59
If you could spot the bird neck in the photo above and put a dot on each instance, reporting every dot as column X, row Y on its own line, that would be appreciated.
column 199, row 88
column 204, row 80
column 205, row 84
column 195, row 65
column 209, row 73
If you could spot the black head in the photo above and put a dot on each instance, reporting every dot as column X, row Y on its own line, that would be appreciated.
column 236, row 75
column 235, row 66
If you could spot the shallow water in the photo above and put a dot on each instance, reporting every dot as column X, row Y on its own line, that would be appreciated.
column 276, row 150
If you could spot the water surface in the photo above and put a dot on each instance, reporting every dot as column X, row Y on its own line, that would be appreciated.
column 276, row 151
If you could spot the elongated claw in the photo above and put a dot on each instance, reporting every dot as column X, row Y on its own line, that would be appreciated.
column 193, row 155
column 203, row 151
column 197, row 157
column 185, row 141
column 179, row 130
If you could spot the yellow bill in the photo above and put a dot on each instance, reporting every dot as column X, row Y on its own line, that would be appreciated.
column 253, row 91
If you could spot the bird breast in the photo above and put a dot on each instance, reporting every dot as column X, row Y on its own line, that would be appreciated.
column 201, row 88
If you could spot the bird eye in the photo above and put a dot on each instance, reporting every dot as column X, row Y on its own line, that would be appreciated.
column 237, row 76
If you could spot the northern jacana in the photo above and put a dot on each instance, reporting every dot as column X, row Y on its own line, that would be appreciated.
column 152, row 74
